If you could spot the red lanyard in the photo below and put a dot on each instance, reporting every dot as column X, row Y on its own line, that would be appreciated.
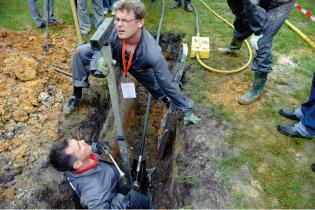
column 126, row 68
column 93, row 165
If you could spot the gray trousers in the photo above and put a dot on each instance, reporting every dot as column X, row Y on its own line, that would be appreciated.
column 83, row 15
column 33, row 6
column 84, row 64
column 275, row 19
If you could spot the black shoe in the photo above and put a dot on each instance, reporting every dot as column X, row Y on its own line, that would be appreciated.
column 42, row 25
column 288, row 113
column 313, row 167
column 70, row 105
column 189, row 8
column 177, row 4
column 290, row 130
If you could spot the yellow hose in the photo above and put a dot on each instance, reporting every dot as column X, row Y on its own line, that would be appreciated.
column 310, row 42
column 223, row 70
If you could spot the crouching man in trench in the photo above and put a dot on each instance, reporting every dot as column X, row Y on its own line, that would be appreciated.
column 137, row 53
column 95, row 182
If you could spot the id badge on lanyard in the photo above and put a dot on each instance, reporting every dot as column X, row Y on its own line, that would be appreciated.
column 128, row 88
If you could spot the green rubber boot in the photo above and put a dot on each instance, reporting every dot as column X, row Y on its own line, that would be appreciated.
column 258, row 85
column 234, row 49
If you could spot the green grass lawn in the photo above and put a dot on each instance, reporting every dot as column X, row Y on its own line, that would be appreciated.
column 280, row 165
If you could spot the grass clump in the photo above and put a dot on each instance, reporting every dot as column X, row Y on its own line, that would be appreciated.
column 188, row 178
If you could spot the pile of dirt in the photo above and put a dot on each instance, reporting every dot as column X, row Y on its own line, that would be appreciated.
column 31, row 98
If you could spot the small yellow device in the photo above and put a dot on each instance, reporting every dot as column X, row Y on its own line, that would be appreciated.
column 201, row 45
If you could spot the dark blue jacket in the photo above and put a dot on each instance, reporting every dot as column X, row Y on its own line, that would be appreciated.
column 98, row 188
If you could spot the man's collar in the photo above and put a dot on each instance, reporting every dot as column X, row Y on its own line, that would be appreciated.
column 93, row 165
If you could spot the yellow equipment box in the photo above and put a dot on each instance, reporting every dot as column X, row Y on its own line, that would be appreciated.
column 201, row 45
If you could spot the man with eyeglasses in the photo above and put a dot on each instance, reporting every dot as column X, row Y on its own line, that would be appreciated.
column 137, row 53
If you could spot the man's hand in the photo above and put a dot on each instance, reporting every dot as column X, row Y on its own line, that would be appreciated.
column 254, row 41
column 100, row 145
column 192, row 119
column 101, row 66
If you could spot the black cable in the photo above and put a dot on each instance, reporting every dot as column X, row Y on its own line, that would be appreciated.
column 146, row 118
column 197, row 20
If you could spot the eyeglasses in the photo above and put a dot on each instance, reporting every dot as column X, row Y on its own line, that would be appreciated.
column 124, row 21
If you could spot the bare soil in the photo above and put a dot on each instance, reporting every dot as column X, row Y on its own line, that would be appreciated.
column 32, row 96
column 31, row 99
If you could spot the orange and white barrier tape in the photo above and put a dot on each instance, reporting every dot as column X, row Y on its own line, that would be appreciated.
column 305, row 12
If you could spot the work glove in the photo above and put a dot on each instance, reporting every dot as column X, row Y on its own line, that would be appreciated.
column 192, row 119
column 166, row 101
column 101, row 66
column 103, row 145
column 254, row 41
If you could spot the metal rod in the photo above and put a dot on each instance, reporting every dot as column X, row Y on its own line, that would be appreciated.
column 112, row 86
column 61, row 71
column 146, row 118
column 121, row 173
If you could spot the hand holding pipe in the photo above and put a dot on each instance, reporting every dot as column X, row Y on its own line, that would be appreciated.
column 122, row 176
column 121, row 173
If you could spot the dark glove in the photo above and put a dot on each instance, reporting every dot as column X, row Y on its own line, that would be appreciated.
column 99, row 146
column 166, row 101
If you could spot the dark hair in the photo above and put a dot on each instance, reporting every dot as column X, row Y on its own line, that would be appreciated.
column 59, row 159
column 132, row 5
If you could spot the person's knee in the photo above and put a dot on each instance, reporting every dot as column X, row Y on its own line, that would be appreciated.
column 82, row 51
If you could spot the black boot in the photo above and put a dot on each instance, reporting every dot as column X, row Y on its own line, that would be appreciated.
column 258, row 85
column 234, row 49
column 176, row 4
column 290, row 130
column 188, row 7
column 288, row 113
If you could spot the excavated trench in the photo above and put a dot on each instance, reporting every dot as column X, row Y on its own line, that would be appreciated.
column 87, row 123
column 134, row 119
column 31, row 112
column 31, row 121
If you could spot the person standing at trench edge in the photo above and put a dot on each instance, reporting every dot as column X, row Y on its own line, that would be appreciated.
column 263, row 18
column 137, row 53
column 304, row 114
column 33, row 7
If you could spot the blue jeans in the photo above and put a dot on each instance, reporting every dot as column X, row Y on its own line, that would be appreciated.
column 83, row 15
column 108, row 4
column 306, row 114
column 33, row 7
column 276, row 16
column 138, row 200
